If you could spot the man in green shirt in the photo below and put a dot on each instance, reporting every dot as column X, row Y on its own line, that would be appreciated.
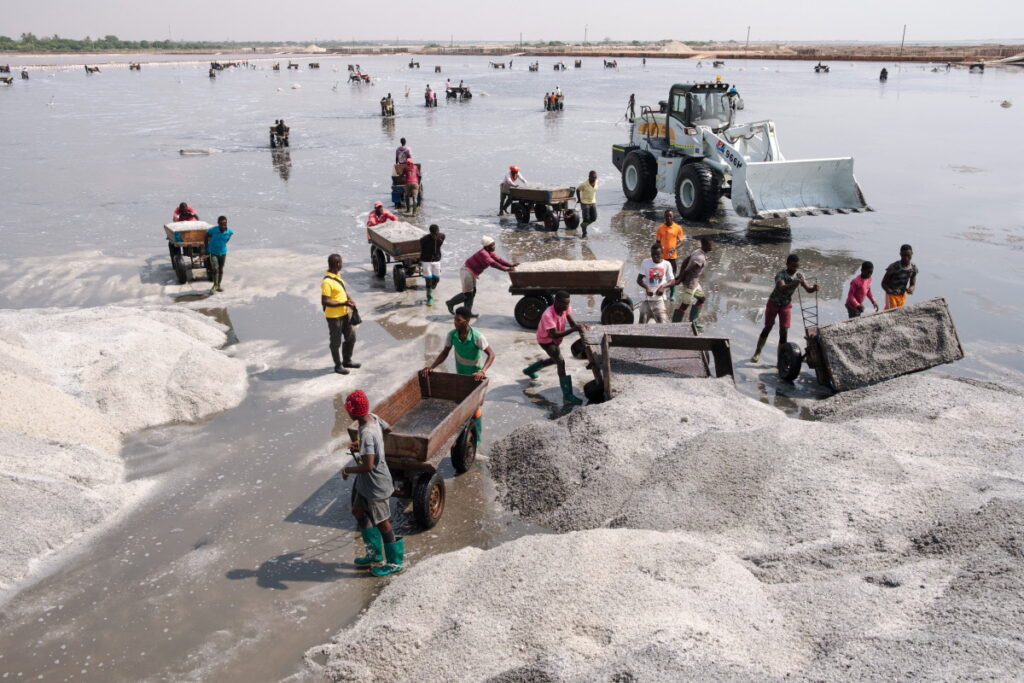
column 473, row 356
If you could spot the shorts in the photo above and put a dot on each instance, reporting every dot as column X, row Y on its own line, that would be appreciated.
column 431, row 268
column 895, row 300
column 217, row 261
column 589, row 212
column 553, row 350
column 852, row 311
column 468, row 280
column 412, row 191
column 379, row 510
column 653, row 309
column 690, row 294
column 773, row 309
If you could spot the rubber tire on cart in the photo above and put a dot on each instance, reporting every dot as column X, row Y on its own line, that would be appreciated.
column 174, row 249
column 521, row 212
column 618, row 313
column 697, row 191
column 572, row 219
column 639, row 171
column 428, row 499
column 529, row 309
column 464, row 451
column 578, row 350
column 379, row 260
column 594, row 391
column 400, row 274
column 541, row 211
column 179, row 269
column 790, row 359
column 551, row 221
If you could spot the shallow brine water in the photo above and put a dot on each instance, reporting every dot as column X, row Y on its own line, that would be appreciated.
column 240, row 558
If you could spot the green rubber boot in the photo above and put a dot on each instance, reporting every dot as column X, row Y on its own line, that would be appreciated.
column 396, row 559
column 694, row 314
column 531, row 371
column 567, row 395
column 671, row 293
column 374, row 548
column 478, row 425
column 677, row 315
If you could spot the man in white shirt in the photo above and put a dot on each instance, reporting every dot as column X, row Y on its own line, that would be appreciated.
column 654, row 278
column 512, row 179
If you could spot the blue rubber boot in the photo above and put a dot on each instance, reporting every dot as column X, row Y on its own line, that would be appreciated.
column 374, row 548
column 396, row 559
column 567, row 395
column 478, row 426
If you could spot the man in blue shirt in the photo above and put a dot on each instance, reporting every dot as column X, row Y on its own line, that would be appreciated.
column 217, row 248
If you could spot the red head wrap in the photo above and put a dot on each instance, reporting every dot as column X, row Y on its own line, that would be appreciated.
column 357, row 404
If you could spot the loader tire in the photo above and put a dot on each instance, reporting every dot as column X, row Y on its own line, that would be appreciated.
column 697, row 192
column 639, row 171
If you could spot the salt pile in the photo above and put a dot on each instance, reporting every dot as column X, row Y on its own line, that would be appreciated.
column 557, row 265
column 72, row 382
column 882, row 541
column 397, row 231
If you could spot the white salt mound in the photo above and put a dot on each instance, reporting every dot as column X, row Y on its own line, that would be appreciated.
column 397, row 231
column 884, row 541
column 72, row 382
column 557, row 265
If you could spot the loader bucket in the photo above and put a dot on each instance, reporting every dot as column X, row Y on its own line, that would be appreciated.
column 775, row 189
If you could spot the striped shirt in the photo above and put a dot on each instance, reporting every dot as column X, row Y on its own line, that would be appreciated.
column 482, row 260
column 469, row 353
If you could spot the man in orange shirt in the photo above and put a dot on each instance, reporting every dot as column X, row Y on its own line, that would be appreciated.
column 669, row 235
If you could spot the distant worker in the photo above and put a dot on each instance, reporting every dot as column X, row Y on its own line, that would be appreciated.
column 430, row 260
column 689, row 277
column 780, row 303
column 669, row 234
column 860, row 288
column 473, row 356
column 379, row 215
column 586, row 193
column 900, row 279
column 430, row 96
column 411, row 176
column 655, row 276
column 547, row 101
column 631, row 107
column 403, row 152
column 184, row 212
column 217, row 248
column 338, row 309
column 473, row 268
column 371, row 492
column 884, row 74
column 556, row 323
column 512, row 179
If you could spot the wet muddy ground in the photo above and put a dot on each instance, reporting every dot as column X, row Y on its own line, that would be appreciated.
column 240, row 559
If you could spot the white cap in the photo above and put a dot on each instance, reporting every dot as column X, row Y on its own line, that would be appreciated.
column 486, row 241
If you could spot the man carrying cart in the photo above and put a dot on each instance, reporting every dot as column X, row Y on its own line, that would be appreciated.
column 512, row 179
column 555, row 324
column 474, row 266
column 473, row 356
column 780, row 303
column 379, row 215
column 184, row 212
column 430, row 260
column 371, row 492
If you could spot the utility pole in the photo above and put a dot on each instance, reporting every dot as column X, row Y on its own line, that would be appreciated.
column 902, row 40
column 747, row 46
column 520, row 40
column 585, row 27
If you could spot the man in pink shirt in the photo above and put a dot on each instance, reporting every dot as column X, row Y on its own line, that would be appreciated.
column 860, row 287
column 379, row 215
column 555, row 324
column 474, row 266
column 411, row 174
column 184, row 212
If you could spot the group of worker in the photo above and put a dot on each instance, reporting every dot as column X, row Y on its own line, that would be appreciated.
column 554, row 100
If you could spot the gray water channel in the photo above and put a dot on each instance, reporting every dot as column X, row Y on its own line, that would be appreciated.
column 240, row 558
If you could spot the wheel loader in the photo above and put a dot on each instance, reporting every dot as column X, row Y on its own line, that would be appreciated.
column 691, row 147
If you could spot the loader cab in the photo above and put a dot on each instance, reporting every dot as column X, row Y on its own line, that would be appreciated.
column 701, row 104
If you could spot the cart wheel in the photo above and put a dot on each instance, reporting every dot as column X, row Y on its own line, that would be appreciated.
column 428, row 499
column 400, row 274
column 551, row 221
column 174, row 249
column 572, row 220
column 379, row 260
column 540, row 211
column 618, row 313
column 790, row 359
column 594, row 391
column 521, row 212
column 529, row 309
column 577, row 350
column 464, row 450
column 179, row 269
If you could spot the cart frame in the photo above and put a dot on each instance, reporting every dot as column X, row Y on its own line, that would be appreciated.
column 187, row 246
column 551, row 207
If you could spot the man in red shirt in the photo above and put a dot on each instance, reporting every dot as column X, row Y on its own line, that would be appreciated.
column 555, row 324
column 474, row 266
column 379, row 215
column 184, row 212
column 411, row 174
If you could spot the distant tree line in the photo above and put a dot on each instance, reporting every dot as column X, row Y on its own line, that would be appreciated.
column 29, row 42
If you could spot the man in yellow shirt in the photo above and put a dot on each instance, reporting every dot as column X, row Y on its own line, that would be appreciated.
column 338, row 309
column 586, row 193
column 669, row 235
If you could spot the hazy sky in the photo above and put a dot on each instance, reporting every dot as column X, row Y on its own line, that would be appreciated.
column 306, row 20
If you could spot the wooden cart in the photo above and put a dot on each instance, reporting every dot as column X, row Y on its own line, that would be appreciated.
column 674, row 349
column 405, row 254
column 537, row 289
column 186, row 240
column 551, row 204
column 429, row 416
column 398, row 185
